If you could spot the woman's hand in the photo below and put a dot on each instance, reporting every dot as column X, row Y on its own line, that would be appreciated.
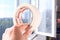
column 17, row 32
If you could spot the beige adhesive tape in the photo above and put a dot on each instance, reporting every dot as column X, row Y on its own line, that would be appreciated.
column 36, row 15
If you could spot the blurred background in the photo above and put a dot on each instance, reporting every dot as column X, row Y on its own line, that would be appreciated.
column 7, row 8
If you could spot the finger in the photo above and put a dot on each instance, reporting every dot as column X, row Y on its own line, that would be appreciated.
column 28, row 32
column 23, row 8
column 25, row 26
column 22, row 26
column 16, row 31
column 17, row 25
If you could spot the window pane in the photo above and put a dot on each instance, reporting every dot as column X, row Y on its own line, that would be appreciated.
column 46, row 11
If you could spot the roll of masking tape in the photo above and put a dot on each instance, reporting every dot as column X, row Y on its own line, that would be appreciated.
column 36, row 15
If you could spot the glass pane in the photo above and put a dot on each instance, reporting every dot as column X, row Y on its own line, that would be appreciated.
column 46, row 11
column 27, row 16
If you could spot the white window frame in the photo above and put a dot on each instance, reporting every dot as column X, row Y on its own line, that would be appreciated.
column 53, row 34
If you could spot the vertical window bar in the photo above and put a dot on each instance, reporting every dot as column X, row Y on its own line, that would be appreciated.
column 17, row 2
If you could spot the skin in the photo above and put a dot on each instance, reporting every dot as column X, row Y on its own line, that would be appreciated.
column 16, row 32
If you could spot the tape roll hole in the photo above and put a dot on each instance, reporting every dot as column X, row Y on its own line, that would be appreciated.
column 27, row 16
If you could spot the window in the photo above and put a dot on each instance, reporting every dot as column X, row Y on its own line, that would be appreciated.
column 47, row 10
